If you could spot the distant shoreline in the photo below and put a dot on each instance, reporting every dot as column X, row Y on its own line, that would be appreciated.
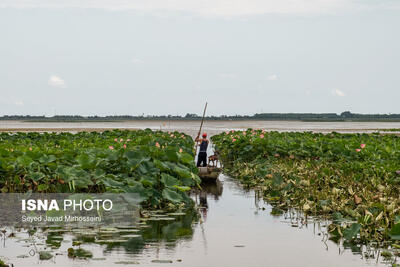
column 346, row 116
column 208, row 119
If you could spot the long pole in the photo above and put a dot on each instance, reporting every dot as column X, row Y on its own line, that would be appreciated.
column 201, row 125
column 202, row 119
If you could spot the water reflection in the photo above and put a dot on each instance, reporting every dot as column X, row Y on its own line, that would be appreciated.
column 209, row 189
column 160, row 229
column 232, row 226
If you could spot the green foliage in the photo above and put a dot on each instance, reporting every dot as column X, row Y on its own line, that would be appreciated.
column 353, row 179
column 352, row 231
column 79, row 253
column 45, row 255
column 2, row 264
column 395, row 232
column 144, row 162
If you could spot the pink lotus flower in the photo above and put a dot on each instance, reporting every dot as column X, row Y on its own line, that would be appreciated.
column 128, row 140
column 157, row 144
column 261, row 136
column 30, row 148
column 121, row 140
column 233, row 139
column 358, row 150
column 244, row 133
column 116, row 140
column 362, row 145
column 125, row 146
column 111, row 147
column 180, row 150
column 227, row 132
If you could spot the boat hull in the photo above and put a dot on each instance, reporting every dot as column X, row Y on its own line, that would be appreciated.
column 209, row 173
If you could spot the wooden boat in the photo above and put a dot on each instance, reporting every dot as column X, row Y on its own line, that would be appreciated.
column 209, row 173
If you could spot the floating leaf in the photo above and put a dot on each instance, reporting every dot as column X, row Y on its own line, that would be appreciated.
column 352, row 231
column 162, row 261
column 45, row 255
column 79, row 253
column 395, row 232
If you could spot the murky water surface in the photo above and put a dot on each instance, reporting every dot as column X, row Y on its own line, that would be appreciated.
column 210, row 126
column 231, row 227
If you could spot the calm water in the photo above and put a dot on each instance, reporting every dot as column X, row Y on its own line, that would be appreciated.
column 212, row 127
column 231, row 228
column 234, row 228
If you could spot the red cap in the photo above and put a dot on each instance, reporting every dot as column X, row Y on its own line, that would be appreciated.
column 204, row 134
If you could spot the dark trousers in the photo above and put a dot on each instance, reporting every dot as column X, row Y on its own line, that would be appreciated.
column 202, row 158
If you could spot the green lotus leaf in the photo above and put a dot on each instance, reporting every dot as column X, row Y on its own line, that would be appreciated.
column 85, row 161
column 169, row 180
column 45, row 159
column 148, row 180
column 110, row 182
column 24, row 161
column 182, row 188
column 172, row 195
column 395, row 232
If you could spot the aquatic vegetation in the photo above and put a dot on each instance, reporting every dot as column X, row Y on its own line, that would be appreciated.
column 351, row 179
column 162, row 261
column 126, row 262
column 79, row 253
column 45, row 255
column 156, row 165
column 85, row 243
column 2, row 264
column 54, row 240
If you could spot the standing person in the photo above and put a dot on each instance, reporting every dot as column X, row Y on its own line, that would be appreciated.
column 202, row 156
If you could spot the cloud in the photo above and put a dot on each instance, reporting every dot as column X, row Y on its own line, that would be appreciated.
column 19, row 103
column 213, row 7
column 227, row 75
column 308, row 92
column 272, row 77
column 137, row 61
column 11, row 101
column 337, row 92
column 56, row 81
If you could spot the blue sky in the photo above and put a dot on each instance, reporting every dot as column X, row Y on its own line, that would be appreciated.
column 168, row 57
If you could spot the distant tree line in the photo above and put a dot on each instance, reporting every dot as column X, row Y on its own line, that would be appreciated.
column 344, row 116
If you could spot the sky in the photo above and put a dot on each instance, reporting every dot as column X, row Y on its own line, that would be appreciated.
column 156, row 57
